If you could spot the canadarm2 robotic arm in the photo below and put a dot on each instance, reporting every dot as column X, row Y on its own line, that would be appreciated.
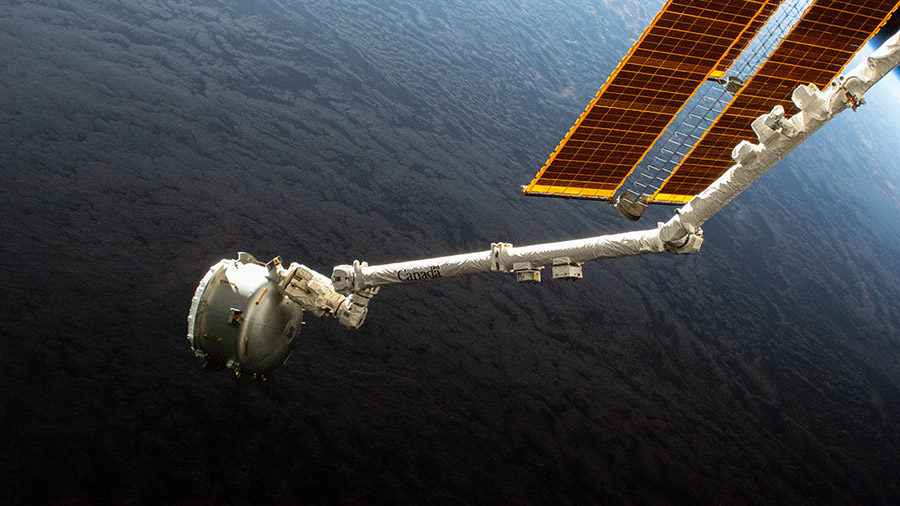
column 246, row 314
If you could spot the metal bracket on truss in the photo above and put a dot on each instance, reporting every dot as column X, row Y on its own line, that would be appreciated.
column 630, row 205
column 851, row 88
column 732, row 84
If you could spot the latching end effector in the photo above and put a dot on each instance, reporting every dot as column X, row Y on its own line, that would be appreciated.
column 306, row 287
column 318, row 295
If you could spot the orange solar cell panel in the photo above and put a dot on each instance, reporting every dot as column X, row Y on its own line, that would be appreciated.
column 761, row 18
column 674, row 56
column 815, row 50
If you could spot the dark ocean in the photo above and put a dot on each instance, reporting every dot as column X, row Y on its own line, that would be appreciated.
column 141, row 142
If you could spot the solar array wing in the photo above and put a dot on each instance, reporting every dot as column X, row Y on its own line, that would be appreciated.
column 685, row 43
column 761, row 18
column 815, row 50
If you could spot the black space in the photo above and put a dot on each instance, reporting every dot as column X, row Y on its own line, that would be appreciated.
column 141, row 142
column 890, row 27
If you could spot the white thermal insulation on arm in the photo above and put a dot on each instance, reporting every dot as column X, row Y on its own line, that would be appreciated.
column 425, row 270
column 881, row 62
column 505, row 258
column 594, row 248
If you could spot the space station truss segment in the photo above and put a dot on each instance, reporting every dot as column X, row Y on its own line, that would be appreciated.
column 682, row 47
column 815, row 51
